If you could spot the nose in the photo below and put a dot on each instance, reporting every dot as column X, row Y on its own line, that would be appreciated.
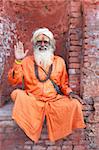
column 42, row 44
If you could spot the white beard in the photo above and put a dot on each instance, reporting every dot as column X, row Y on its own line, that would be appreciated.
column 44, row 58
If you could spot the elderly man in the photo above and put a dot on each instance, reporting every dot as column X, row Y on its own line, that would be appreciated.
column 42, row 74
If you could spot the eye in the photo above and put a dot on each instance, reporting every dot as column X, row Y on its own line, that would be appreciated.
column 39, row 42
column 46, row 42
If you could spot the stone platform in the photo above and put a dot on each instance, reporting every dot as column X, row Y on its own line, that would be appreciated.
column 13, row 138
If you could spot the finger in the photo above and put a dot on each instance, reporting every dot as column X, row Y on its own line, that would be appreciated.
column 20, row 43
column 18, row 47
column 15, row 47
column 21, row 46
column 26, row 52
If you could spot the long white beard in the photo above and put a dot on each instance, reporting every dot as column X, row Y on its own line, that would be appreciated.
column 44, row 58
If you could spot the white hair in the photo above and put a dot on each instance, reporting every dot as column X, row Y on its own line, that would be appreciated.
column 46, row 32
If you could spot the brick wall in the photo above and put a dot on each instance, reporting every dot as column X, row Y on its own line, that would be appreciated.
column 76, row 31
column 90, row 71
column 75, row 44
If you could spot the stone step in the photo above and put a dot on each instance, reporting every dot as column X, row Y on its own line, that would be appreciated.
column 13, row 138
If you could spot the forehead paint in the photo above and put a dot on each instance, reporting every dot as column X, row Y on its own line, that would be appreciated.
column 42, row 37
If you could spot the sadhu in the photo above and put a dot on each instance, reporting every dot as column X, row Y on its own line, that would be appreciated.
column 46, row 90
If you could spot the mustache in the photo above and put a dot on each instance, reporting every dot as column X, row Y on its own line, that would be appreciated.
column 43, row 58
column 43, row 48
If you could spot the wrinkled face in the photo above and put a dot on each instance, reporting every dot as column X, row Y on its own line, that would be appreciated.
column 42, row 42
column 43, row 51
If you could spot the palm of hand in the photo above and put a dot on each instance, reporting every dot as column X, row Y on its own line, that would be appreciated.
column 19, row 51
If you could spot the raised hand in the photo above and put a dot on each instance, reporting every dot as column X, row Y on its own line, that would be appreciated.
column 19, row 51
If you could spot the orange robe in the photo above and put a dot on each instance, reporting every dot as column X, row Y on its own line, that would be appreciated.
column 41, row 99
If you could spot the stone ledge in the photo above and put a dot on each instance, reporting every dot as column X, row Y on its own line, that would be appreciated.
column 12, row 136
column 5, row 112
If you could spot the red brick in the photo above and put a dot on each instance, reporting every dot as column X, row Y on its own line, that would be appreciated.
column 53, row 148
column 96, row 105
column 74, row 37
column 86, row 64
column 74, row 85
column 74, row 77
column 75, row 14
column 82, row 147
column 0, row 143
column 86, row 58
column 27, row 147
column 67, row 142
column 75, row 8
column 76, row 81
column 28, row 142
column 75, row 48
column 74, row 60
column 75, row 3
column 47, row 142
column 75, row 25
column 86, row 41
column 75, row 43
column 86, row 35
column 93, row 59
column 10, row 145
column 75, row 89
column 74, row 65
column 64, row 147
column 74, row 54
column 88, row 107
column 38, row 147
column 74, row 31
column 86, row 46
column 85, row 53
column 72, row 72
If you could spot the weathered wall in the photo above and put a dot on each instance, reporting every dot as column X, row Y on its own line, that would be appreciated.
column 7, row 37
column 90, row 71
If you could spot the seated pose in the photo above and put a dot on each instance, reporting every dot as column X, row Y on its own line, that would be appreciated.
column 46, row 92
